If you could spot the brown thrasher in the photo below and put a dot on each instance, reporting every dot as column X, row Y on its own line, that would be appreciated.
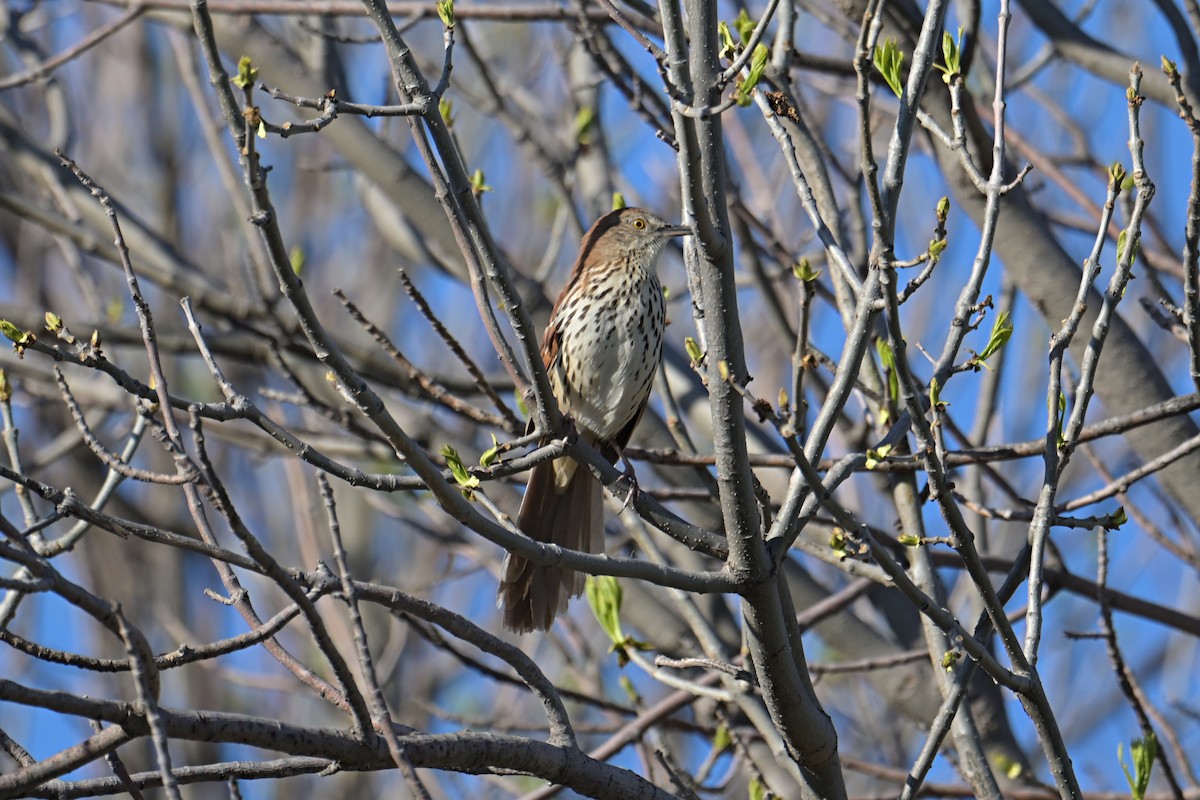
column 601, row 349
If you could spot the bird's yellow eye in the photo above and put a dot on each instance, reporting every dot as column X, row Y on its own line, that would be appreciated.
column 638, row 223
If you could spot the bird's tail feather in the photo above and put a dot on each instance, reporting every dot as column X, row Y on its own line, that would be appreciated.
column 572, row 518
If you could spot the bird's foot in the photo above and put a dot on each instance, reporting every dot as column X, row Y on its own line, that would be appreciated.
column 570, row 429
column 631, row 476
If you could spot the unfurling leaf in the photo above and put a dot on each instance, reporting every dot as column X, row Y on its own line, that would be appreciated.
column 1060, row 416
column 908, row 540
column 11, row 332
column 489, row 456
column 1142, row 752
column 297, row 258
column 445, row 10
column 1011, row 768
column 838, row 542
column 458, row 470
column 604, row 596
column 54, row 322
column 758, row 65
column 478, row 184
column 889, row 60
column 875, row 456
column 728, row 47
column 935, row 395
column 722, row 739
column 1116, row 174
column 744, row 24
column 888, row 359
column 1002, row 330
column 247, row 74
column 585, row 123
column 803, row 270
column 936, row 248
column 693, row 350
column 951, row 56
column 1121, row 240
column 618, row 201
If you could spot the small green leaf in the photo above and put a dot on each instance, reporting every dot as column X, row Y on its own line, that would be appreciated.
column 459, row 470
column 722, row 739
column 950, row 659
column 1119, row 517
column 783, row 398
column 489, row 456
column 804, row 271
column 908, row 540
column 1116, row 174
column 757, row 791
column 744, row 25
column 445, row 10
column 1002, row 330
column 889, row 60
column 618, row 201
column 521, row 406
column 6, row 390
column 723, row 369
column 1121, row 238
column 54, row 322
column 838, row 542
column 246, row 74
column 1011, row 768
column 943, row 209
column 728, row 47
column 1169, row 67
column 297, row 258
column 951, row 56
column 935, row 395
column 604, row 596
column 875, row 456
column 936, row 248
column 11, row 332
column 1059, row 417
column 758, row 65
column 692, row 347
column 478, row 183
column 446, row 110
column 585, row 123
column 1142, row 752
column 888, row 359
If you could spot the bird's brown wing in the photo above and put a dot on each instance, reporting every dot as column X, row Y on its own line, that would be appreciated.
column 550, row 340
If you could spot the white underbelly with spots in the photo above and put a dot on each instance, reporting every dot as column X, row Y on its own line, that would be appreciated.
column 615, row 349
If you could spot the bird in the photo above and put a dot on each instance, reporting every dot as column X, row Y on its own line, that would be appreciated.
column 601, row 348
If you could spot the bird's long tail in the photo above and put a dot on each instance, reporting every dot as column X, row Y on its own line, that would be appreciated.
column 571, row 517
